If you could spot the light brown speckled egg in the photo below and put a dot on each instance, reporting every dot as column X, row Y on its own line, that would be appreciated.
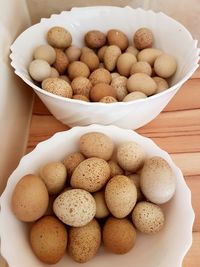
column 100, row 76
column 81, row 86
column 119, row 84
column 57, row 86
column 120, row 196
column 84, row 241
column 59, row 37
column 115, row 169
column 95, row 39
column 148, row 218
column 130, row 156
column 101, row 207
column 91, row 174
column 108, row 99
column 72, row 160
column 143, row 38
column 75, row 207
column 96, row 144
column 61, row 62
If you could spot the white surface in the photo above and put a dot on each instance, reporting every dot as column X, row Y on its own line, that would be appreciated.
column 170, row 36
column 165, row 249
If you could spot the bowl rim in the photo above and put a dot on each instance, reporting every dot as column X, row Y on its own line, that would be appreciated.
column 120, row 103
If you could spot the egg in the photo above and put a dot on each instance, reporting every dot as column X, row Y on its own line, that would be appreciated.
column 162, row 84
column 57, row 86
column 54, row 175
column 95, row 39
column 91, row 174
column 143, row 38
column 157, row 182
column 84, row 241
column 86, row 49
column 59, row 37
column 119, row 235
column 54, row 73
column 30, row 198
column 149, row 55
column 111, row 56
column 81, row 97
column 64, row 77
column 48, row 239
column 135, row 178
column 39, row 70
column 77, row 69
column 124, row 63
column 101, row 52
column 81, row 86
column 120, row 196
column 132, row 50
column 115, row 75
column 96, row 144
column 108, row 99
column 73, row 53
column 72, row 160
column 165, row 65
column 115, row 169
column 75, row 207
column 141, row 82
column 148, row 218
column 101, row 207
column 119, row 84
column 134, row 96
column 141, row 67
column 45, row 52
column 100, row 90
column 61, row 62
column 117, row 37
column 130, row 156
column 100, row 76
column 90, row 59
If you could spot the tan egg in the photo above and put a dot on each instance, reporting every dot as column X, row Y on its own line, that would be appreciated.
column 134, row 96
column 84, row 241
column 148, row 218
column 108, row 100
column 100, row 76
column 115, row 169
column 57, row 86
column 101, row 207
column 61, row 63
column 149, row 55
column 120, row 196
column 130, row 156
column 54, row 73
column 96, row 144
column 72, row 160
column 165, row 65
column 119, row 235
column 141, row 82
column 73, row 53
column 117, row 37
column 110, row 57
column 162, row 84
column 124, row 63
column 48, row 238
column 91, row 174
column 132, row 50
column 39, row 70
column 75, row 207
column 81, row 86
column 90, row 59
column 81, row 97
column 143, row 38
column 64, row 77
column 54, row 175
column 29, row 198
column 119, row 85
column 100, row 90
column 115, row 75
column 141, row 67
column 157, row 182
column 86, row 49
column 77, row 69
column 101, row 52
column 45, row 52
column 59, row 37
column 135, row 178
column 95, row 39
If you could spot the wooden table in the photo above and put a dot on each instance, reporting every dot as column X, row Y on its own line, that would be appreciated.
column 176, row 130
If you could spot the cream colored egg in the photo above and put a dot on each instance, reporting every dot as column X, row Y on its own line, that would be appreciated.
column 134, row 96
column 162, row 84
column 54, row 73
column 165, row 65
column 45, row 52
column 124, row 63
column 39, row 70
column 132, row 50
column 149, row 55
column 101, row 207
column 73, row 53
column 141, row 67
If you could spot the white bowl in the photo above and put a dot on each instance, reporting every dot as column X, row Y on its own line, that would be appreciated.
column 164, row 249
column 170, row 36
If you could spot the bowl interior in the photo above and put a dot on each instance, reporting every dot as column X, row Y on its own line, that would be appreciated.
column 166, row 248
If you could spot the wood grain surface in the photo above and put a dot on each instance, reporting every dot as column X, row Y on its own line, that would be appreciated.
column 176, row 130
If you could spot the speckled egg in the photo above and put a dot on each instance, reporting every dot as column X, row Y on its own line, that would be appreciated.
column 72, row 160
column 101, row 207
column 59, row 37
column 100, row 76
column 57, row 86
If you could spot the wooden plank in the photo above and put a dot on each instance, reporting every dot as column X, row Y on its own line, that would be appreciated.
column 192, row 259
column 196, row 75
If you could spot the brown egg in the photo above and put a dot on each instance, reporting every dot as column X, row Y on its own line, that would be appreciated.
column 48, row 238
column 108, row 99
column 101, row 52
column 59, row 37
column 124, row 63
column 141, row 67
column 110, row 57
column 72, row 160
column 90, row 59
column 117, row 37
column 57, row 86
column 77, row 69
column 132, row 50
column 100, row 76
column 143, row 38
column 119, row 84
column 73, row 53
column 30, row 198
column 115, row 169
column 81, row 86
column 119, row 235
column 100, row 90
column 84, row 241
column 81, row 97
column 91, row 174
column 165, row 65
column 101, row 207
column 95, row 39
column 61, row 61
column 162, row 84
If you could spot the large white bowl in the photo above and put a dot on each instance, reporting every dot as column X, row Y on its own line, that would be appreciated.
column 170, row 36
column 164, row 249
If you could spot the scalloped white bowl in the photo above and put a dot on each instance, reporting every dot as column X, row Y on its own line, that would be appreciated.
column 164, row 249
column 170, row 36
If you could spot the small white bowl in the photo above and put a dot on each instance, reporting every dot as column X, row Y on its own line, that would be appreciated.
column 170, row 36
column 164, row 249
